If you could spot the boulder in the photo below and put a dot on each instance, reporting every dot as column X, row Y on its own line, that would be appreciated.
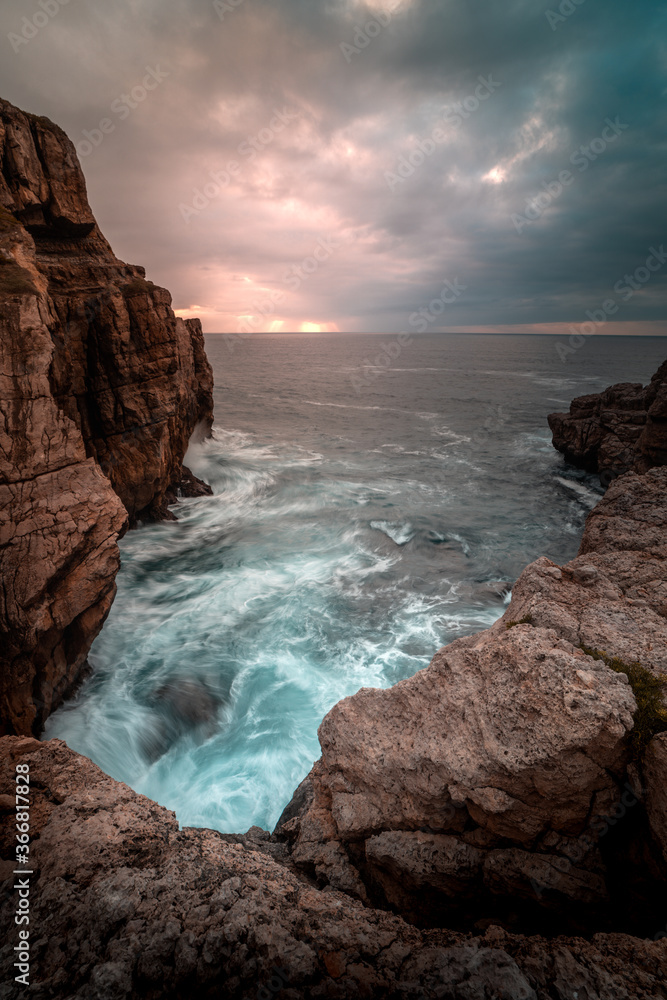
column 612, row 432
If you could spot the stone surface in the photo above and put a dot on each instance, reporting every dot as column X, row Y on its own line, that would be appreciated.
column 622, row 428
column 101, row 390
column 510, row 751
column 492, row 791
column 126, row 905
column 655, row 772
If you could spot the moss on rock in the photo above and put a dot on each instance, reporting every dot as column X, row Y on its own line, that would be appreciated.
column 14, row 280
column 7, row 220
column 138, row 286
column 651, row 715
column 526, row 620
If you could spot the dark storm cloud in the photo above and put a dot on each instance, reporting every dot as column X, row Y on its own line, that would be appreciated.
column 351, row 120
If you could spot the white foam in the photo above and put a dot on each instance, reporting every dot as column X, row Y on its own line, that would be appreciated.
column 400, row 532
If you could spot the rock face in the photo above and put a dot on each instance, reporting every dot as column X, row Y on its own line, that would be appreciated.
column 102, row 388
column 490, row 785
column 123, row 904
column 622, row 428
column 493, row 793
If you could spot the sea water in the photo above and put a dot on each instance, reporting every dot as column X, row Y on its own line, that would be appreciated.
column 372, row 502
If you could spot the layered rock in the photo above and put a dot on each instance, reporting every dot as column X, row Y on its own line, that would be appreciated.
column 612, row 432
column 495, row 791
column 488, row 786
column 123, row 904
column 102, row 390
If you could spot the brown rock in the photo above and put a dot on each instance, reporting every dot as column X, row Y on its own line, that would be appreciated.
column 655, row 777
column 512, row 744
column 101, row 388
column 126, row 905
column 622, row 428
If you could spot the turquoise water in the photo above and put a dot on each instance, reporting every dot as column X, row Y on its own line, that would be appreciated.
column 355, row 528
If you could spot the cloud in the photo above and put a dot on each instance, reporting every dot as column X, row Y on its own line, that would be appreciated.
column 314, row 129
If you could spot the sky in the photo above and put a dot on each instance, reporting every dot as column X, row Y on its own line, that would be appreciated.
column 368, row 165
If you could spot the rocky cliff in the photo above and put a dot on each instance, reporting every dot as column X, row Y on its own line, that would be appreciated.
column 458, row 829
column 494, row 827
column 123, row 904
column 489, row 786
column 102, row 388
column 622, row 428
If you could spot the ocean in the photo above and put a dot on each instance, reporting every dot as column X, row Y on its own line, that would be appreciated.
column 373, row 501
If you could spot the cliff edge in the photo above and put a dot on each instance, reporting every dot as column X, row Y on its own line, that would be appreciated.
column 458, row 832
column 101, row 390
column 612, row 432
column 493, row 828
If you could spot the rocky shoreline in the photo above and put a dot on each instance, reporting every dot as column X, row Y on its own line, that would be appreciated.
column 458, row 830
column 493, row 827
column 621, row 429
column 102, row 388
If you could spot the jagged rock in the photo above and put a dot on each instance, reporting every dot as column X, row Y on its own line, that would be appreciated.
column 102, row 388
column 492, row 788
column 511, row 744
column 124, row 906
column 622, row 428
column 481, row 728
column 655, row 776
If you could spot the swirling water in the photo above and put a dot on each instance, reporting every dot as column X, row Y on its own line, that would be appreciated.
column 355, row 528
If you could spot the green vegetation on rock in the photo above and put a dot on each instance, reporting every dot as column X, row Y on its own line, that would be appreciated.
column 651, row 715
column 7, row 220
column 138, row 286
column 526, row 620
column 14, row 280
